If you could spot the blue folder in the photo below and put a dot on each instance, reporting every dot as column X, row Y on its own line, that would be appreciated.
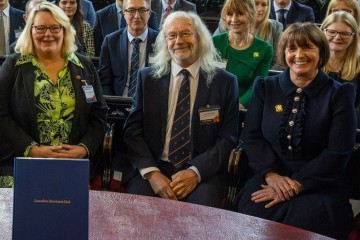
column 51, row 199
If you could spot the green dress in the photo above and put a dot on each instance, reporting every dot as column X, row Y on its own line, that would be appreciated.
column 245, row 64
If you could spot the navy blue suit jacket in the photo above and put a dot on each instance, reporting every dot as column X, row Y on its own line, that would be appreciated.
column 17, row 23
column 107, row 22
column 88, row 11
column 113, row 62
column 297, row 13
column 180, row 5
column 145, row 127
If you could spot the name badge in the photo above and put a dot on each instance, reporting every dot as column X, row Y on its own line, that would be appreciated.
column 89, row 93
column 209, row 114
column 151, row 58
column 17, row 33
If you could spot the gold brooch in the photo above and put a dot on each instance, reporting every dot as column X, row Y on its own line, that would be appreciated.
column 256, row 54
column 278, row 108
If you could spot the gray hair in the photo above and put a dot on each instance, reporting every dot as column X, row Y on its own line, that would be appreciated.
column 208, row 55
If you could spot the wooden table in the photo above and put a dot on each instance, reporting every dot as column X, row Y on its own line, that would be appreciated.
column 126, row 216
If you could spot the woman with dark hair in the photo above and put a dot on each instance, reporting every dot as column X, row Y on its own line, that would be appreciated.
column 299, row 135
column 84, row 31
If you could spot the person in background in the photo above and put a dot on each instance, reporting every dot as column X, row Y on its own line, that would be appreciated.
column 299, row 135
column 51, row 104
column 342, row 33
column 247, row 56
column 110, row 19
column 179, row 147
column 11, row 25
column 290, row 11
column 127, row 50
column 350, row 6
column 84, row 31
column 163, row 8
column 88, row 11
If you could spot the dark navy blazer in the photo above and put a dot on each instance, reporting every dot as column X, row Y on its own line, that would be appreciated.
column 113, row 63
column 17, row 23
column 145, row 128
column 107, row 22
column 297, row 13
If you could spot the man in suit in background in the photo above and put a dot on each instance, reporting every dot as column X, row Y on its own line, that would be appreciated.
column 88, row 11
column 183, row 121
column 111, row 18
column 162, row 8
column 115, row 63
column 290, row 11
column 12, row 22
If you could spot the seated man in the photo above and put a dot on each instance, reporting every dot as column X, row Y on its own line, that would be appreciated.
column 110, row 19
column 12, row 23
column 121, row 56
column 183, row 122
column 290, row 11
column 163, row 8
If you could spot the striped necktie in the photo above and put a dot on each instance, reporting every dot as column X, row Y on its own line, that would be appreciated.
column 2, row 35
column 167, row 12
column 179, row 146
column 135, row 58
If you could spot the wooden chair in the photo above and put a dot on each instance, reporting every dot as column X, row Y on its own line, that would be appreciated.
column 113, row 144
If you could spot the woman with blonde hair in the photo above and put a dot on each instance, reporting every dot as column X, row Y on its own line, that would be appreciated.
column 342, row 33
column 350, row 6
column 247, row 55
column 51, row 104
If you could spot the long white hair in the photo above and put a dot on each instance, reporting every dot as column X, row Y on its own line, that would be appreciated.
column 208, row 55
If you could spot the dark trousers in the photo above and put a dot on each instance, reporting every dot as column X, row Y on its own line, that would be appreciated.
column 208, row 193
column 325, row 212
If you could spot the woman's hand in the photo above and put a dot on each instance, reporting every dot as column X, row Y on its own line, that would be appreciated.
column 285, row 187
column 73, row 151
column 266, row 194
column 61, row 151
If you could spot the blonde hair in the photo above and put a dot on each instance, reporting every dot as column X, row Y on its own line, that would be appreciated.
column 353, row 4
column 265, row 24
column 351, row 60
column 25, row 44
column 239, row 7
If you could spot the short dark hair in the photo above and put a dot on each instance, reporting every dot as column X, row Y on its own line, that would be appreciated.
column 301, row 34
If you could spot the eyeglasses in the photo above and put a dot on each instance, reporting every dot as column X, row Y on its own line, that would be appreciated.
column 42, row 28
column 339, row 9
column 132, row 11
column 183, row 35
column 343, row 35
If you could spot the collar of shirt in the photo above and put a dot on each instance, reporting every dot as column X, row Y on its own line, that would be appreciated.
column 193, row 69
column 119, row 10
column 276, row 7
column 6, row 11
column 165, row 4
column 143, row 36
column 30, row 58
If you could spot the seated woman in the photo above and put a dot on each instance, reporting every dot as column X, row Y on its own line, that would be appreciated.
column 84, row 30
column 51, row 105
column 342, row 34
column 350, row 6
column 299, row 134
column 267, row 29
column 247, row 56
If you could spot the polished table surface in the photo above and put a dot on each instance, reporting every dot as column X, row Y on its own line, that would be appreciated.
column 125, row 216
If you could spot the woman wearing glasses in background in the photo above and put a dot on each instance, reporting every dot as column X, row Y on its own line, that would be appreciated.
column 51, row 103
column 342, row 34
column 84, row 31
